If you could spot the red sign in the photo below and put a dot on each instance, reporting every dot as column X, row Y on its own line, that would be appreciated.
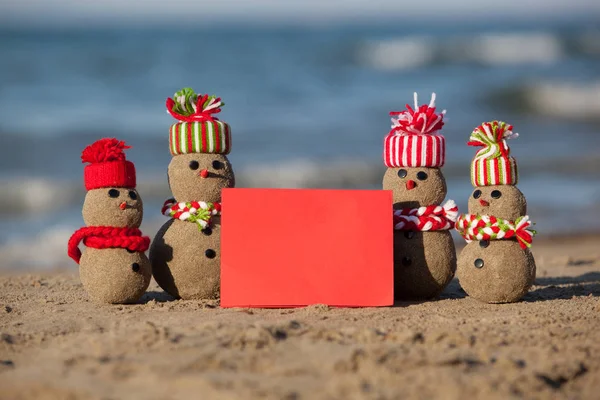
column 294, row 247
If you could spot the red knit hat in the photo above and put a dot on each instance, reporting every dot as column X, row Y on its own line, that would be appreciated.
column 412, row 142
column 108, row 166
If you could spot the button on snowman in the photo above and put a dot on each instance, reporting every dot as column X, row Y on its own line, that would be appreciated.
column 496, row 266
column 113, row 268
column 424, row 253
column 185, row 253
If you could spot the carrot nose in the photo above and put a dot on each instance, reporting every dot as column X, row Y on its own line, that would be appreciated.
column 204, row 174
column 410, row 184
column 123, row 205
column 484, row 203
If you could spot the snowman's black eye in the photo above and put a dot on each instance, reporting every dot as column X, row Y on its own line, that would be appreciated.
column 135, row 267
column 421, row 175
column 132, row 195
column 194, row 165
column 217, row 164
column 114, row 193
column 402, row 173
column 496, row 194
column 477, row 194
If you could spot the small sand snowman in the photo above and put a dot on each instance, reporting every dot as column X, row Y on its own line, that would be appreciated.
column 113, row 267
column 496, row 266
column 424, row 253
column 185, row 253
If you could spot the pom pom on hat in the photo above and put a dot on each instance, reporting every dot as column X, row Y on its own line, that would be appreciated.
column 412, row 141
column 199, row 131
column 492, row 164
column 107, row 165
column 422, row 120
column 104, row 150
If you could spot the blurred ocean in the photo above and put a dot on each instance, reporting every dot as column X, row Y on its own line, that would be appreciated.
column 308, row 108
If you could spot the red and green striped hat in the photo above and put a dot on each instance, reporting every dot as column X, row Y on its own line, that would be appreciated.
column 198, row 130
column 493, row 164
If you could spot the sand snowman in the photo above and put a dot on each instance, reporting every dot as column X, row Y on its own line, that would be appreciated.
column 424, row 253
column 113, row 268
column 496, row 266
column 185, row 253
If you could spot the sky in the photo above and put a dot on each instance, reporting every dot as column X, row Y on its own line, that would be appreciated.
column 83, row 12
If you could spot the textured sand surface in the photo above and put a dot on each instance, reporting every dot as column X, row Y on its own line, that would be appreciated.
column 55, row 344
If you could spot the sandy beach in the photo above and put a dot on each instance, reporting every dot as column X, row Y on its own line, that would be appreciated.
column 56, row 344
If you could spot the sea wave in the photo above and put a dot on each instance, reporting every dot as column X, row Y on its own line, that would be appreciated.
column 48, row 229
column 490, row 49
column 397, row 54
column 564, row 100
column 22, row 196
column 50, row 250
column 50, row 242
column 35, row 196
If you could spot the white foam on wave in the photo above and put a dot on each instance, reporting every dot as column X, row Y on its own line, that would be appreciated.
column 397, row 54
column 34, row 195
column 47, row 249
column 500, row 49
column 565, row 100
column 517, row 48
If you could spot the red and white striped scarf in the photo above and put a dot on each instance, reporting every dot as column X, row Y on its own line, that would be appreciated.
column 430, row 218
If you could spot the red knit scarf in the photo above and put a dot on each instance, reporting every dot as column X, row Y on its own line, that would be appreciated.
column 104, row 237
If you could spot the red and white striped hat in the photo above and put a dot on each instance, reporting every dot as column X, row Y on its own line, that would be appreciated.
column 412, row 141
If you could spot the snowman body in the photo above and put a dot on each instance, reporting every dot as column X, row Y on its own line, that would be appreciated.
column 424, row 261
column 114, row 275
column 186, row 260
column 185, row 256
column 496, row 271
column 499, row 271
column 129, row 273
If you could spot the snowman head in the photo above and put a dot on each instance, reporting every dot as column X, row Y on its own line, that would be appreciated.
column 198, row 143
column 200, row 177
column 501, row 201
column 414, row 152
column 113, row 206
column 110, row 179
column 414, row 187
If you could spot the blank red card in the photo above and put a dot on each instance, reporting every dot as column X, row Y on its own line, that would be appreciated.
column 294, row 247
